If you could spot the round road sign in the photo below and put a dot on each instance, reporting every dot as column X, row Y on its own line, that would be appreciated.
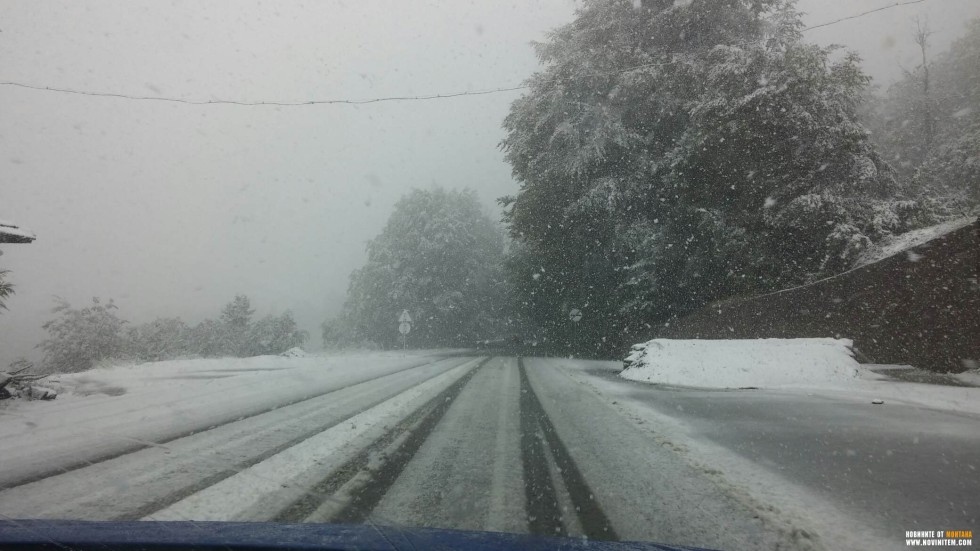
column 575, row 315
column 404, row 328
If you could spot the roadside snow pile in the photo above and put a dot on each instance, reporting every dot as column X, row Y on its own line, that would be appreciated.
column 900, row 243
column 741, row 363
column 294, row 352
column 970, row 377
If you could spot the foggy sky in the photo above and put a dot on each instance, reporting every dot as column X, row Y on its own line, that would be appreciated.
column 171, row 209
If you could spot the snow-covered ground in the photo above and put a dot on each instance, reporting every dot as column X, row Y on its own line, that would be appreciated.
column 741, row 363
column 822, row 459
column 871, row 387
column 276, row 482
column 472, row 471
column 112, row 410
column 814, row 367
column 297, row 439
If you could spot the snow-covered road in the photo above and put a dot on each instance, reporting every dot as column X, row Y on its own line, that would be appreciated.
column 546, row 446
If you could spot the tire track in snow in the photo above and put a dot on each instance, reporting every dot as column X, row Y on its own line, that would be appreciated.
column 263, row 491
column 357, row 487
column 468, row 473
column 184, row 492
column 544, row 512
column 138, row 445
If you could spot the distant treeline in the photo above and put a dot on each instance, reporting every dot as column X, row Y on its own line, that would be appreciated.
column 80, row 338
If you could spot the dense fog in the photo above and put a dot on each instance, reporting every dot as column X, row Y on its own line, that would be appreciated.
column 172, row 209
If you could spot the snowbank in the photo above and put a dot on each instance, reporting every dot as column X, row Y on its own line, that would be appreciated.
column 970, row 377
column 741, row 363
column 900, row 243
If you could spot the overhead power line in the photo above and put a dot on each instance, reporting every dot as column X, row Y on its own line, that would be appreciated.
column 255, row 103
column 862, row 14
column 367, row 100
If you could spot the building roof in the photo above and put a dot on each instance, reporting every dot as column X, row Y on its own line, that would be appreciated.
column 12, row 233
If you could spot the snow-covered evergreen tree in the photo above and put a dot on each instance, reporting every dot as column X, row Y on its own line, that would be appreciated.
column 674, row 153
column 440, row 258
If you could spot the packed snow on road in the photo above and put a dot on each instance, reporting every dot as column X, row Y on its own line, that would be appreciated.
column 113, row 410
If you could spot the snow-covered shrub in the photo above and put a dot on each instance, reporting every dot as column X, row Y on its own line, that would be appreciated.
column 160, row 339
column 80, row 337
column 275, row 335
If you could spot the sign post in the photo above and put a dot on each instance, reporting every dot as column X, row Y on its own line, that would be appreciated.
column 575, row 315
column 404, row 327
